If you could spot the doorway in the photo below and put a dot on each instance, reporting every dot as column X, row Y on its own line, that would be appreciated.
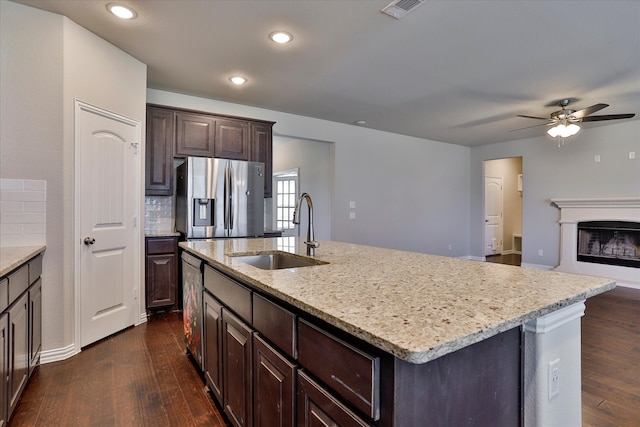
column 108, row 163
column 503, row 210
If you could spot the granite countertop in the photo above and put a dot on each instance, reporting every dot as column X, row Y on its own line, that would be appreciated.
column 417, row 307
column 12, row 257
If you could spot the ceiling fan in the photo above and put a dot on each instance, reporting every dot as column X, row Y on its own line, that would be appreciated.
column 564, row 121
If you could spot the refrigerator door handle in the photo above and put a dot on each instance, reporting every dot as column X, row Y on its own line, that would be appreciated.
column 231, row 184
column 225, row 201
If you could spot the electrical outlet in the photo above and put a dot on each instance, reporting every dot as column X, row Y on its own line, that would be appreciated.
column 352, row 215
column 554, row 378
column 450, row 246
column 632, row 155
column 596, row 158
column 540, row 252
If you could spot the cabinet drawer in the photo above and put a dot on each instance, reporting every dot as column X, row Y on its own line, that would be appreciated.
column 229, row 292
column 161, row 246
column 4, row 294
column 350, row 372
column 18, row 282
column 276, row 324
column 35, row 269
column 317, row 407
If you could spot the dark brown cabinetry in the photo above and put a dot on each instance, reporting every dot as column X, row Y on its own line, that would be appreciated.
column 161, row 272
column 262, row 150
column 316, row 407
column 35, row 324
column 4, row 359
column 159, row 152
column 273, row 386
column 181, row 133
column 18, row 349
column 236, row 362
column 213, row 346
column 231, row 139
column 195, row 135
column 20, row 332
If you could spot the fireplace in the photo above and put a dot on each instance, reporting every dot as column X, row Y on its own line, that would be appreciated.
column 609, row 242
column 601, row 237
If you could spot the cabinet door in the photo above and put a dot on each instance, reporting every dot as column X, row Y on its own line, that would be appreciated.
column 158, row 176
column 213, row 346
column 316, row 407
column 35, row 325
column 18, row 350
column 273, row 387
column 231, row 139
column 161, row 280
column 4, row 359
column 261, row 151
column 237, row 370
column 194, row 135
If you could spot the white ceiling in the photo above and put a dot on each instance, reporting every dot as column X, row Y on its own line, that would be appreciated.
column 452, row 71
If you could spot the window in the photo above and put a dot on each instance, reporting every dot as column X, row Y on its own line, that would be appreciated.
column 286, row 193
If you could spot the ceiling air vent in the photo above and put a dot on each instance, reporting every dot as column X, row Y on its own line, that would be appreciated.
column 399, row 8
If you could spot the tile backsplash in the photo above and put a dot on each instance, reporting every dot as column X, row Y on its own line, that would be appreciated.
column 158, row 214
column 23, row 212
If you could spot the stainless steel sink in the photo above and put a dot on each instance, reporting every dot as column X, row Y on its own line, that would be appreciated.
column 278, row 261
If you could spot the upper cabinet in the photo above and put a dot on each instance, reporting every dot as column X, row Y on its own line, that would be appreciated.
column 159, row 152
column 195, row 135
column 231, row 140
column 179, row 133
column 261, row 150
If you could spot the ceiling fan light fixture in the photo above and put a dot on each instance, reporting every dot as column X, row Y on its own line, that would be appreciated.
column 563, row 130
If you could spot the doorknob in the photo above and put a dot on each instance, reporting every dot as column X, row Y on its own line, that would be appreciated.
column 486, row 220
column 89, row 240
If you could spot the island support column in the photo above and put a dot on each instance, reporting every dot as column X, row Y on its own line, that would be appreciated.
column 552, row 369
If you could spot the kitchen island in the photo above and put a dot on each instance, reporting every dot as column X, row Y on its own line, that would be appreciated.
column 422, row 312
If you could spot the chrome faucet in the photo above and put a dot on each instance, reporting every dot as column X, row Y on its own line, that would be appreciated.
column 310, row 242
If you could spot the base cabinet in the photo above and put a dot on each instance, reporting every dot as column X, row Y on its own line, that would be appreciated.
column 213, row 346
column 161, row 278
column 274, row 380
column 35, row 325
column 316, row 407
column 18, row 349
column 4, row 359
column 237, row 366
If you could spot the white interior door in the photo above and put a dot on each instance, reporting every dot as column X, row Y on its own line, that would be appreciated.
column 492, row 215
column 107, row 186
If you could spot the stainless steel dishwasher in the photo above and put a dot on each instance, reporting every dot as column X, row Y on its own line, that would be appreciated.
column 192, row 305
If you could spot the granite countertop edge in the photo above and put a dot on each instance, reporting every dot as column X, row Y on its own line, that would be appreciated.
column 418, row 353
column 12, row 257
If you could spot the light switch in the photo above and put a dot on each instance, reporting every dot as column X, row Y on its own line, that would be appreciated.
column 596, row 158
column 632, row 155
column 352, row 215
column 352, row 205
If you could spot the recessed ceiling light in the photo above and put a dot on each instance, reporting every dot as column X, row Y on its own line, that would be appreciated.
column 238, row 80
column 281, row 37
column 360, row 122
column 121, row 11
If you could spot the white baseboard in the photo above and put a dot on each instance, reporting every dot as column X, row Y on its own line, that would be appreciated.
column 473, row 258
column 627, row 285
column 58, row 354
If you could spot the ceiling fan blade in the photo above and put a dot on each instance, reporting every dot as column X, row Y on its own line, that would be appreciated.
column 607, row 117
column 589, row 110
column 534, row 126
column 533, row 117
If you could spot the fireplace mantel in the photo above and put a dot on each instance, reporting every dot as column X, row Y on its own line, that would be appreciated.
column 574, row 210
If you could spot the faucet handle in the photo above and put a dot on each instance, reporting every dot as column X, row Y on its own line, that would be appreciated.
column 312, row 244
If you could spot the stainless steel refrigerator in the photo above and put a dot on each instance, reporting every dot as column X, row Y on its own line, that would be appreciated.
column 218, row 198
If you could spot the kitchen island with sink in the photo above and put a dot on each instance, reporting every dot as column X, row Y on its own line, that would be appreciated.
column 372, row 336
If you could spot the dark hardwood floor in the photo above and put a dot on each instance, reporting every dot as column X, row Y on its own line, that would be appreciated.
column 141, row 377
column 611, row 359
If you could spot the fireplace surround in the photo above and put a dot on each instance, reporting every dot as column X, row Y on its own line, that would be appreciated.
column 614, row 225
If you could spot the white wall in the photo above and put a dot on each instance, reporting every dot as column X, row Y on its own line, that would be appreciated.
column 46, row 61
column 410, row 193
column 554, row 172
column 315, row 162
